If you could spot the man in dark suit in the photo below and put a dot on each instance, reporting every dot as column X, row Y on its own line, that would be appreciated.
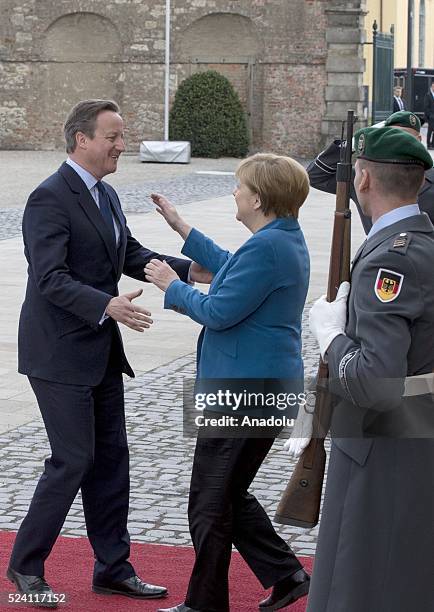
column 429, row 114
column 78, row 245
column 398, row 102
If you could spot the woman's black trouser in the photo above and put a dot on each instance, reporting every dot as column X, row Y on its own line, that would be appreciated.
column 222, row 512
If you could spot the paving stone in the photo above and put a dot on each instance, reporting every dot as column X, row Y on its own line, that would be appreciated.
column 178, row 528
column 160, row 534
column 135, row 198
column 302, row 551
column 160, row 467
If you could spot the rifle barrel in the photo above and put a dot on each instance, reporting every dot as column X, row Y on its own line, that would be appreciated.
column 300, row 502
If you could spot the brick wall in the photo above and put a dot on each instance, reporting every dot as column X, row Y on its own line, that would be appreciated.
column 56, row 52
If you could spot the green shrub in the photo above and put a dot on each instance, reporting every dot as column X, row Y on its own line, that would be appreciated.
column 207, row 111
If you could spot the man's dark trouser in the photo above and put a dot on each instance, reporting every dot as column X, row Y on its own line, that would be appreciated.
column 222, row 512
column 86, row 430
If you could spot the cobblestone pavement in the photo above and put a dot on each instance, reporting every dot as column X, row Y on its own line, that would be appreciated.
column 10, row 222
column 135, row 198
column 160, row 462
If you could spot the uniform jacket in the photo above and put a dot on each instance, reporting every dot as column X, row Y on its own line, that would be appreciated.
column 74, row 267
column 252, row 313
column 377, row 525
column 322, row 176
column 385, row 341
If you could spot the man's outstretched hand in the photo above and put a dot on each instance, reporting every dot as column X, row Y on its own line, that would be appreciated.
column 122, row 310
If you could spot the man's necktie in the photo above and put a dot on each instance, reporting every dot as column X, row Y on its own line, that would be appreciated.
column 105, row 208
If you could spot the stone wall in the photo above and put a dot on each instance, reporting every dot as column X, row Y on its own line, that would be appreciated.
column 345, row 64
column 277, row 53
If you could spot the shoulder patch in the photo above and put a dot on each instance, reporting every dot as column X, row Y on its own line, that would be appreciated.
column 388, row 285
column 400, row 243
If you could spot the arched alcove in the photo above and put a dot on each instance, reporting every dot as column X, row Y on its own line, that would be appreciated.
column 80, row 53
column 82, row 37
column 230, row 44
column 220, row 36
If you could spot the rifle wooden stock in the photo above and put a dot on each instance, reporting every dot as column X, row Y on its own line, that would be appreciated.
column 301, row 500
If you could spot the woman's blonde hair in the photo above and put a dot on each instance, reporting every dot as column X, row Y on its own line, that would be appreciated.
column 281, row 182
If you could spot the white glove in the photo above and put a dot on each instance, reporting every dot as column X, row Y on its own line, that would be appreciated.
column 327, row 319
column 301, row 434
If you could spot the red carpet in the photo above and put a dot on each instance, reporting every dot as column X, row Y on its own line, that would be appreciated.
column 69, row 570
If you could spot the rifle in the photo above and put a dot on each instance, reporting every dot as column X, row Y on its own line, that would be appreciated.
column 300, row 502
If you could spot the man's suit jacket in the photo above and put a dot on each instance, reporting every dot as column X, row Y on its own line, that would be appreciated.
column 429, row 108
column 396, row 106
column 252, row 313
column 73, row 272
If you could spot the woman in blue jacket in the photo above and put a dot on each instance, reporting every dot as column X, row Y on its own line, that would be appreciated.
column 252, row 329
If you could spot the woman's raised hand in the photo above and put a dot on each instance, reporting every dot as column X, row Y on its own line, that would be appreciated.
column 170, row 214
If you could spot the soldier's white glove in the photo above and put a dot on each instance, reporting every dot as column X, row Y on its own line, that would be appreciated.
column 327, row 319
column 301, row 434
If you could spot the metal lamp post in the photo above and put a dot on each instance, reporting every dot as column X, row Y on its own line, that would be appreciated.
column 167, row 73
column 166, row 151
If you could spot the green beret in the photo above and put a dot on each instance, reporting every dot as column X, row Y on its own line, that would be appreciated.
column 390, row 145
column 404, row 119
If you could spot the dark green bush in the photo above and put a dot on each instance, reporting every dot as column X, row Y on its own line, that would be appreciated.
column 207, row 111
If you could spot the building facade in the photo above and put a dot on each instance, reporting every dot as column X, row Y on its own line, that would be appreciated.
column 296, row 64
column 388, row 13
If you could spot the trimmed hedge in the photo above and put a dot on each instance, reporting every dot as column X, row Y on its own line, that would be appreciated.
column 207, row 111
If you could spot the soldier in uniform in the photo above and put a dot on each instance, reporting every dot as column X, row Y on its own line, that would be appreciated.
column 322, row 170
column 376, row 538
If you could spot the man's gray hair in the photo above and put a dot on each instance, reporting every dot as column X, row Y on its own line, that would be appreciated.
column 82, row 118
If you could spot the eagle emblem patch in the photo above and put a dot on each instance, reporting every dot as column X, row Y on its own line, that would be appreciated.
column 388, row 285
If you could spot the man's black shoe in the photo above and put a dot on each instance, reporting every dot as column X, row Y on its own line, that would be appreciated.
column 180, row 608
column 286, row 592
column 131, row 587
column 38, row 591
